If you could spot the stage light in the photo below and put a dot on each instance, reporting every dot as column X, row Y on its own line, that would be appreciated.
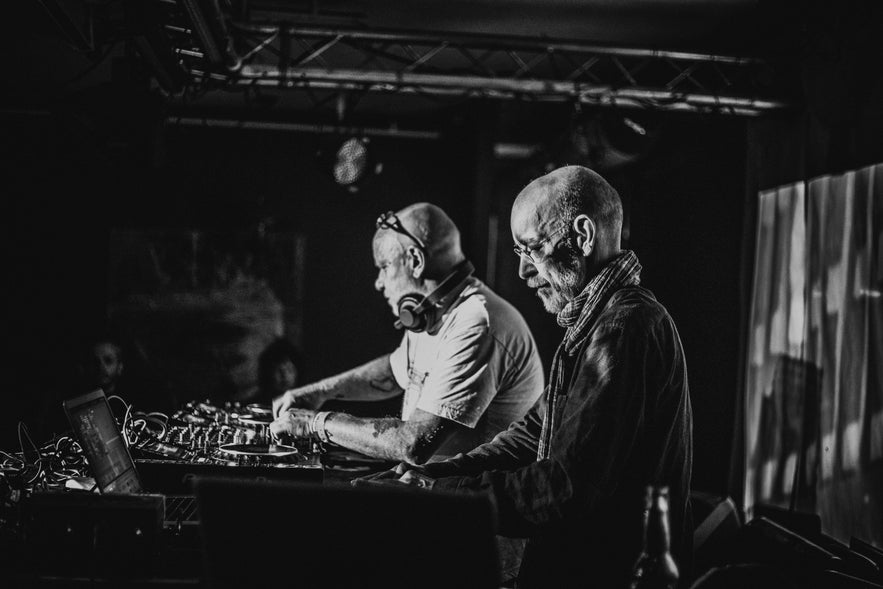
column 351, row 161
column 612, row 138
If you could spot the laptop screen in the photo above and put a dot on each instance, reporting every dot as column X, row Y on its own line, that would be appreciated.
column 95, row 428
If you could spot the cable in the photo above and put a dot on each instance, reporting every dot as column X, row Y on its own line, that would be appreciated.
column 10, row 457
column 125, row 425
column 23, row 430
column 50, row 465
column 120, row 399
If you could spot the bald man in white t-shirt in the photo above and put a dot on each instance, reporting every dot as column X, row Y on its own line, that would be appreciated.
column 467, row 363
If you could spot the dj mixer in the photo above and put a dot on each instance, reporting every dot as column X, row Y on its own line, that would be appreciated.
column 203, row 438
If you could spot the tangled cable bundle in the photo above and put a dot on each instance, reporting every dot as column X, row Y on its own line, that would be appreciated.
column 60, row 459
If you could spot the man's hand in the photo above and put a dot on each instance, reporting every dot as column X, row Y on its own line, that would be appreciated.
column 293, row 423
column 416, row 479
column 402, row 474
column 391, row 475
column 302, row 398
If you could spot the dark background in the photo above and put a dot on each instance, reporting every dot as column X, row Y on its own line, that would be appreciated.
column 84, row 159
column 684, row 203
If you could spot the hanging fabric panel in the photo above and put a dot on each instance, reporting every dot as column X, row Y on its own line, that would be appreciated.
column 814, row 382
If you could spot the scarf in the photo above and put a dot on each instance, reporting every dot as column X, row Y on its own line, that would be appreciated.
column 578, row 316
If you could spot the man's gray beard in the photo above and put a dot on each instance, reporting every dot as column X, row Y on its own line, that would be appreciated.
column 569, row 276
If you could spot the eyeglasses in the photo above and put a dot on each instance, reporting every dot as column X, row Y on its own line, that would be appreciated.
column 389, row 220
column 533, row 253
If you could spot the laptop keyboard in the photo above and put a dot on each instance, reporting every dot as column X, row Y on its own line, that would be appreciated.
column 181, row 508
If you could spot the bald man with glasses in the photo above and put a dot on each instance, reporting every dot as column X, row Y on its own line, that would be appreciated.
column 467, row 365
column 616, row 417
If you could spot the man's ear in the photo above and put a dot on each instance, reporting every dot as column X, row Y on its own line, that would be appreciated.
column 416, row 261
column 586, row 232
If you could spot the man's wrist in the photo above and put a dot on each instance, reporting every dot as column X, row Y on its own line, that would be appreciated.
column 317, row 426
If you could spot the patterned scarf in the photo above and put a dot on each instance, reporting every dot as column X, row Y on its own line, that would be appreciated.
column 578, row 316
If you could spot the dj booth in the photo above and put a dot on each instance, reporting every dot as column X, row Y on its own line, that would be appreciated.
column 205, row 498
column 251, row 533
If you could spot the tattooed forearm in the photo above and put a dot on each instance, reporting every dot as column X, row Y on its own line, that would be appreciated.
column 372, row 381
column 413, row 441
column 381, row 426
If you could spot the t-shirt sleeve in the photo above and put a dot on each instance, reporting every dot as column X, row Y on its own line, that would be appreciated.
column 398, row 361
column 463, row 380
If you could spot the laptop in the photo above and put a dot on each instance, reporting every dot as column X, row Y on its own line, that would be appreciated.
column 306, row 535
column 95, row 428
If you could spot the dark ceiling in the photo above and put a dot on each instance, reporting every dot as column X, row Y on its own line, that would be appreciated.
column 66, row 46
column 682, row 24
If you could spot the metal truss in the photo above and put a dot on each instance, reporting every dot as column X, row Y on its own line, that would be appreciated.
column 215, row 49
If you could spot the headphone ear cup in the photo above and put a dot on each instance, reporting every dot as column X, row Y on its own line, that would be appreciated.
column 409, row 315
column 417, row 313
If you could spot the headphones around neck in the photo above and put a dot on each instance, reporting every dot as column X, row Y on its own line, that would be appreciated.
column 418, row 313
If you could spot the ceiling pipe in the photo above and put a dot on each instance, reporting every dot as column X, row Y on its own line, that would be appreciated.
column 501, row 87
column 232, row 60
column 203, row 30
column 476, row 40
column 210, row 27
column 300, row 127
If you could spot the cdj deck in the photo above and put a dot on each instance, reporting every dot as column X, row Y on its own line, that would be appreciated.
column 203, row 439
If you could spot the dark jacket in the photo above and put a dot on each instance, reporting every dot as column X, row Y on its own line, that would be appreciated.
column 626, row 423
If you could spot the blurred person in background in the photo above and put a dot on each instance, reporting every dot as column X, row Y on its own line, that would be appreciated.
column 279, row 370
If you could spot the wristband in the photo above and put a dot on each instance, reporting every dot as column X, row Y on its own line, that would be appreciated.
column 312, row 425
column 317, row 426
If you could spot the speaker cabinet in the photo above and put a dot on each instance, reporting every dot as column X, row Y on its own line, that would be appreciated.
column 92, row 535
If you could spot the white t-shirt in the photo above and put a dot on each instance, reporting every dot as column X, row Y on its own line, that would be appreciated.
column 480, row 368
